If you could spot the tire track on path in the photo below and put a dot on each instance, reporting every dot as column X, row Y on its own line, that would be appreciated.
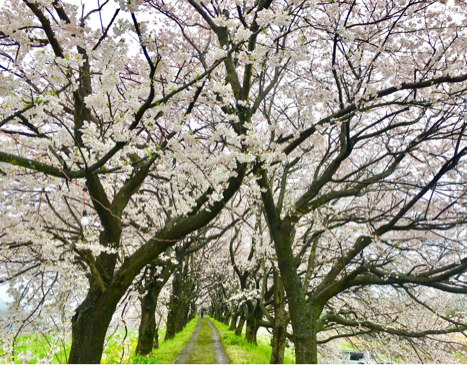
column 204, row 347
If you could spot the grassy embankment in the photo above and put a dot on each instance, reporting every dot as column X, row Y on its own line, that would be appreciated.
column 239, row 351
column 120, row 349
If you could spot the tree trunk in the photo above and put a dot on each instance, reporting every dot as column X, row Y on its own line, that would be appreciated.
column 92, row 318
column 255, row 314
column 89, row 327
column 226, row 317
column 278, row 342
column 280, row 322
column 148, row 337
column 177, row 316
column 170, row 331
column 241, row 323
column 155, row 344
column 173, row 316
column 181, row 316
column 233, row 320
column 302, row 316
column 147, row 327
column 306, row 346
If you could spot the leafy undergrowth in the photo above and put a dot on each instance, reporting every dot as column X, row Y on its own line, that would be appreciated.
column 168, row 350
column 202, row 352
column 239, row 351
column 120, row 347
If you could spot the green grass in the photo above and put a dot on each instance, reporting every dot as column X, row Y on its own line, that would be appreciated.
column 168, row 350
column 38, row 345
column 118, row 344
column 239, row 351
column 202, row 352
column 348, row 347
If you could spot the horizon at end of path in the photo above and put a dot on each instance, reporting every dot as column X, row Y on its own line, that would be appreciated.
column 204, row 347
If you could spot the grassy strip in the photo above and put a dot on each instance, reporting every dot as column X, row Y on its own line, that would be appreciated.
column 239, row 351
column 38, row 346
column 120, row 349
column 202, row 352
column 168, row 350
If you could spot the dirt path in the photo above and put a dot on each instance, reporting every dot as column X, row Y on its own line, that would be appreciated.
column 182, row 358
column 220, row 355
column 204, row 347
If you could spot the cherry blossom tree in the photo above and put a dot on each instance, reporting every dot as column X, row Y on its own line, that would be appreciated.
column 371, row 191
column 89, row 122
column 128, row 126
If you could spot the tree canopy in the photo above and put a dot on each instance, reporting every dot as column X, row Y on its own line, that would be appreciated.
column 298, row 165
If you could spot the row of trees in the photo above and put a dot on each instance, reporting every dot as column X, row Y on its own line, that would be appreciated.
column 295, row 162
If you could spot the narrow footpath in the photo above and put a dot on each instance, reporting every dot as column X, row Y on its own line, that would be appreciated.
column 205, row 346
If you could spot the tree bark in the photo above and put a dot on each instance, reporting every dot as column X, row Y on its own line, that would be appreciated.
column 173, row 316
column 93, row 316
column 89, row 327
column 148, row 337
column 181, row 316
column 182, row 294
column 303, row 317
column 241, row 323
column 255, row 314
column 155, row 344
column 233, row 320
column 147, row 327
column 226, row 316
column 170, row 331
column 280, row 322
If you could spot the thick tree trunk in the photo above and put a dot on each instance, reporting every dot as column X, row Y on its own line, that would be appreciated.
column 302, row 316
column 177, row 316
column 148, row 332
column 280, row 322
column 170, row 330
column 278, row 342
column 89, row 327
column 181, row 317
column 174, row 320
column 250, row 331
column 93, row 316
column 147, row 327
column 306, row 345
column 254, row 316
